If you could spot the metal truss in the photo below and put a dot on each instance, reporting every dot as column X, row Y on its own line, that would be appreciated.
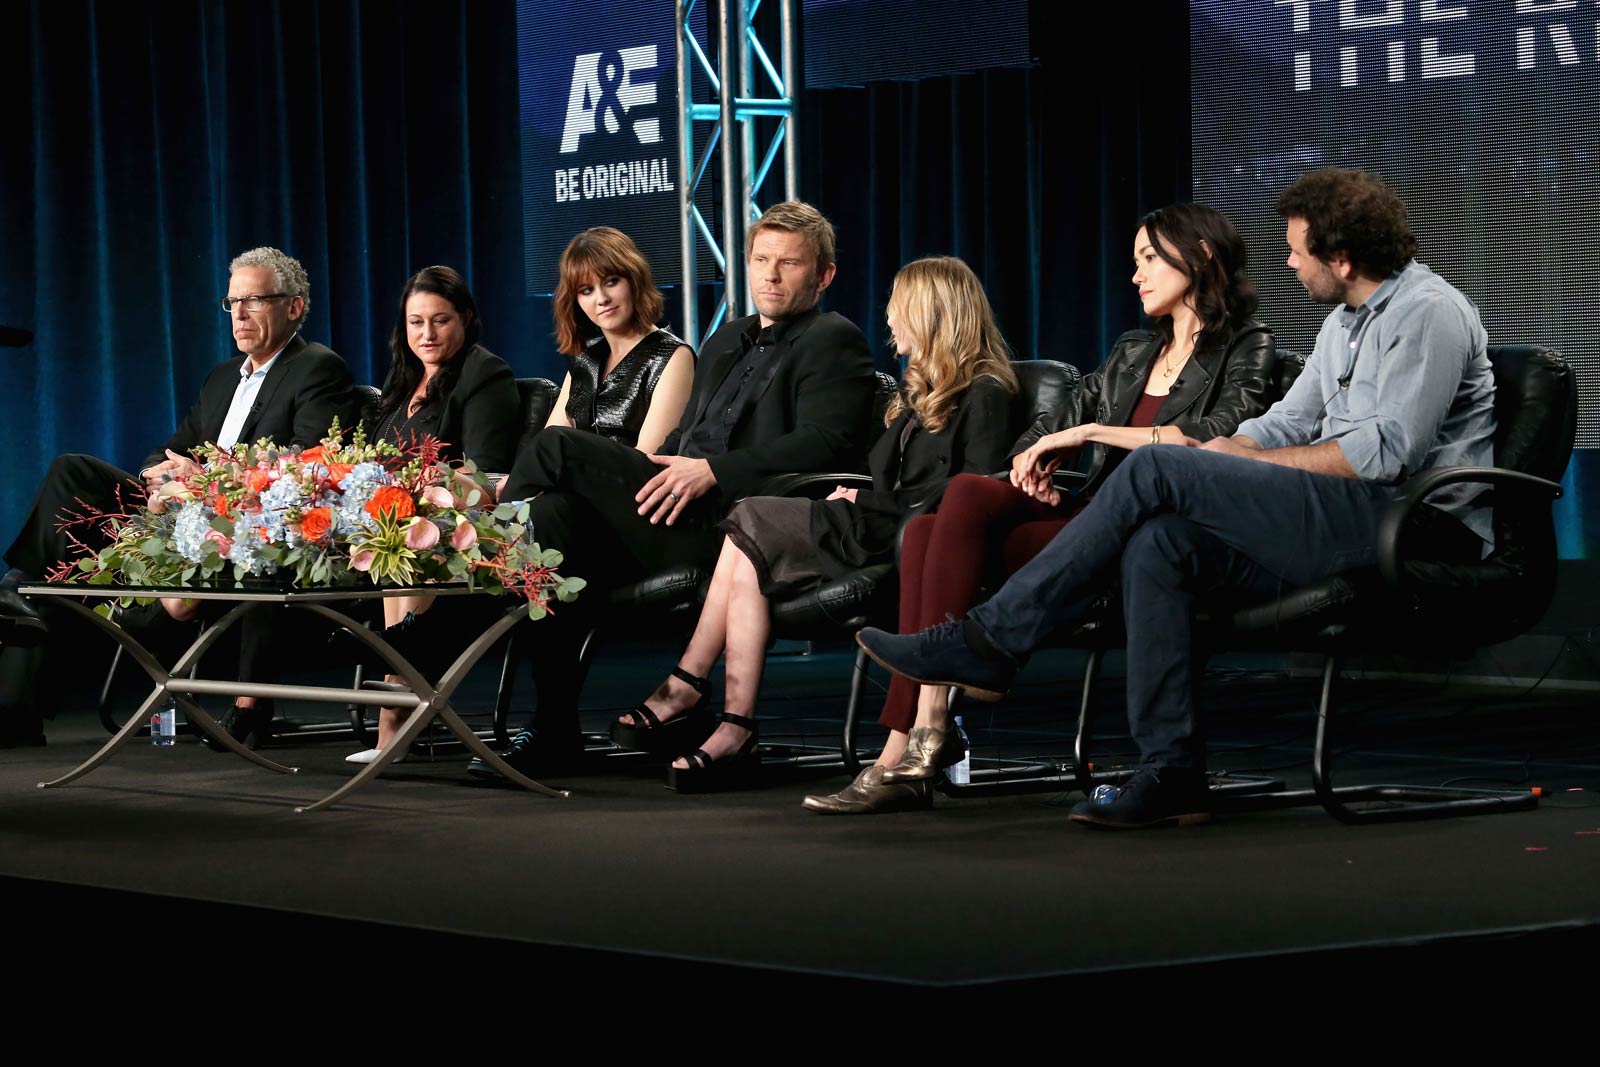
column 745, row 63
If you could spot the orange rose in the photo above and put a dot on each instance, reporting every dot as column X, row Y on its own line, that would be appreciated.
column 219, row 504
column 337, row 471
column 312, row 455
column 258, row 480
column 392, row 500
column 315, row 523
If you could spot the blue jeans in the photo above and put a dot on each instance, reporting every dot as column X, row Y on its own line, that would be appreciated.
column 1178, row 524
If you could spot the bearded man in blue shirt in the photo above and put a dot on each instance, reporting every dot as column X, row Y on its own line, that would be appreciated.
column 1399, row 382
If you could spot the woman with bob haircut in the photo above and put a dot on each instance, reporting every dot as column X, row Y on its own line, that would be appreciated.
column 626, row 379
column 1202, row 368
column 953, row 413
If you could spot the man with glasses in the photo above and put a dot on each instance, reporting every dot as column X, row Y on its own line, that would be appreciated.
column 281, row 386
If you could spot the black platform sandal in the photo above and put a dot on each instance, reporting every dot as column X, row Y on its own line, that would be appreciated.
column 736, row 771
column 672, row 737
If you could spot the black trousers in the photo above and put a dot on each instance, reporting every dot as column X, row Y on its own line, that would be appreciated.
column 586, row 509
column 72, row 481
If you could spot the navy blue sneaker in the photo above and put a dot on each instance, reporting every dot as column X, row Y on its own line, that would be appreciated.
column 940, row 655
column 1156, row 796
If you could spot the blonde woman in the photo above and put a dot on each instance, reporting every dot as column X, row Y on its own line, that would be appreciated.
column 953, row 414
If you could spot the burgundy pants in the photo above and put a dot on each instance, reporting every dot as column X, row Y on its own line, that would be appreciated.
column 984, row 530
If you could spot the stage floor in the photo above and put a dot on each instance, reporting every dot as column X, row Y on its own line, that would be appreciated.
column 978, row 890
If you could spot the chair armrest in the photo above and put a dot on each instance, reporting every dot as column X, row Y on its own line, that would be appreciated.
column 1417, row 489
column 814, row 486
column 1069, row 480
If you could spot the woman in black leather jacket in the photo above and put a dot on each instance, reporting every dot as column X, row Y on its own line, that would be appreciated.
column 1202, row 367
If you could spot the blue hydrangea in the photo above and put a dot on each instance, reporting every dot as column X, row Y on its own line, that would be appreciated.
column 276, row 501
column 246, row 552
column 358, row 486
column 190, row 529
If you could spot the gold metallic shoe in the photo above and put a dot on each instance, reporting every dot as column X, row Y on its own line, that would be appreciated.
column 928, row 751
column 868, row 795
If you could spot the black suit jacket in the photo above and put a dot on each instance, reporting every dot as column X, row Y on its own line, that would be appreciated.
column 1232, row 379
column 812, row 400
column 910, row 480
column 482, row 413
column 303, row 392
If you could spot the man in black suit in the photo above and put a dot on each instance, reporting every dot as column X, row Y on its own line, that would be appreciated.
column 786, row 390
column 282, row 386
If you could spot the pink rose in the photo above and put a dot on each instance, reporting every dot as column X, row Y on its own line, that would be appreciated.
column 224, row 546
column 439, row 497
column 465, row 537
column 421, row 534
column 362, row 561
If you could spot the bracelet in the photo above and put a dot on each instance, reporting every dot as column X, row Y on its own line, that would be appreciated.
column 1155, row 435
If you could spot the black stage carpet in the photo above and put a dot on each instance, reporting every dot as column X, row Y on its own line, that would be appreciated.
column 176, row 844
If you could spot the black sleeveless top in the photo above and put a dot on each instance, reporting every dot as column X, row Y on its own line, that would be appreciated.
column 615, row 406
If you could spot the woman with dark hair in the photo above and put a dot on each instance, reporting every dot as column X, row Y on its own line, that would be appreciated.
column 626, row 379
column 442, row 383
column 953, row 414
column 1202, row 368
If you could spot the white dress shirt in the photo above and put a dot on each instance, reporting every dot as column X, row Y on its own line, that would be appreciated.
column 243, row 398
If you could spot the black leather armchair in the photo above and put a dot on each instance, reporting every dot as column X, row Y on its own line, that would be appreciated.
column 1412, row 602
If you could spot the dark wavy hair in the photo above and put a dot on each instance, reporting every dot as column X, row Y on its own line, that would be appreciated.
column 405, row 369
column 1353, row 214
column 1207, row 248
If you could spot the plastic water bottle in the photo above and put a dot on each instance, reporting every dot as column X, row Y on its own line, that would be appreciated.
column 961, row 773
column 164, row 727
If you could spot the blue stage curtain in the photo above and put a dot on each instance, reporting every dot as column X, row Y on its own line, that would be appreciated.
column 368, row 140
column 1037, row 177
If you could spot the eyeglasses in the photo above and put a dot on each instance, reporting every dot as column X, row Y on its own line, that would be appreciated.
column 251, row 303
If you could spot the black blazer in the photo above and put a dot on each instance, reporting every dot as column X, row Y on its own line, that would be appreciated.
column 813, row 399
column 304, row 391
column 910, row 481
column 1232, row 379
column 482, row 415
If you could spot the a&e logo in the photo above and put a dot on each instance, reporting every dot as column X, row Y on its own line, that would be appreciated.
column 604, row 88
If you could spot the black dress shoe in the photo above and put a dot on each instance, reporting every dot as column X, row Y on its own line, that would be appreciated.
column 20, row 625
column 248, row 726
column 533, row 755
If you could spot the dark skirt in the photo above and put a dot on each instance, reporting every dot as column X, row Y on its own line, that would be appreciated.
column 774, row 533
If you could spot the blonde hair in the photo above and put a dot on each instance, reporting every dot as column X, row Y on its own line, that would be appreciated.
column 940, row 307
column 797, row 216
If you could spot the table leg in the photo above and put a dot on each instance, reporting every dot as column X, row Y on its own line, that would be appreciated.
column 435, row 703
column 160, row 676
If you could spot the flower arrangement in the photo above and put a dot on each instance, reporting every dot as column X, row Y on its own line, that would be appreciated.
column 341, row 513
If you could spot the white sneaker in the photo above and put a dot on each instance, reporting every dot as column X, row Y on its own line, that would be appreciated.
column 367, row 755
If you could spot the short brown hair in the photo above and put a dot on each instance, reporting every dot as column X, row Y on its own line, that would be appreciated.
column 1354, row 214
column 601, row 253
column 797, row 216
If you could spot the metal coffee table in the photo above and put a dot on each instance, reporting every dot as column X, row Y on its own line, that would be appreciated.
column 427, row 702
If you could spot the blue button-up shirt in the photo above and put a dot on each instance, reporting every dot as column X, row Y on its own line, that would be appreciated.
column 1401, row 384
